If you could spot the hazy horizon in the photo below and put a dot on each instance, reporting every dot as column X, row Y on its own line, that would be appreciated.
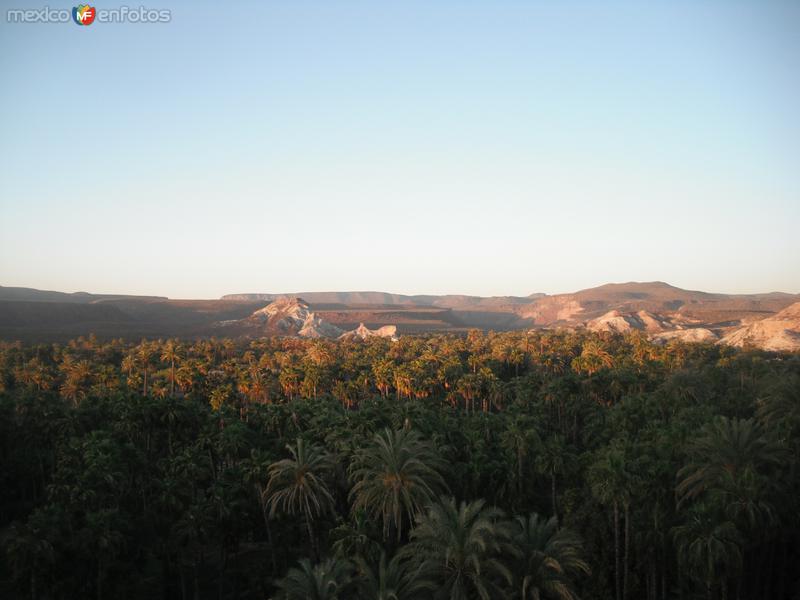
column 397, row 292
column 485, row 149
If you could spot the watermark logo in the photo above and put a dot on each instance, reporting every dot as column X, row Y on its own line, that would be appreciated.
column 83, row 14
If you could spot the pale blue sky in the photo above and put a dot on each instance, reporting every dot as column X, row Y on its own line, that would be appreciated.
column 465, row 147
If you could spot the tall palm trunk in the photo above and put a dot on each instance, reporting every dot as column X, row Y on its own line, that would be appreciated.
column 196, row 579
column 768, row 579
column 652, row 587
column 782, row 571
column 182, row 576
column 260, row 492
column 616, row 552
column 312, row 542
column 627, row 551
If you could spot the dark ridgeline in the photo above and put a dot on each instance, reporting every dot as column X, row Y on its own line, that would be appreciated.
column 656, row 308
column 553, row 465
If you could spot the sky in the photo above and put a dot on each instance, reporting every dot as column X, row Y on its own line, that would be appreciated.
column 471, row 147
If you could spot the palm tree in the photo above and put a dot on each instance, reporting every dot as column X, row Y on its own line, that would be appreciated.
column 396, row 477
column 396, row 579
column 171, row 353
column 33, row 374
column 76, row 382
column 610, row 484
column 289, row 379
column 468, row 387
column 728, row 457
column 144, row 354
column 297, row 486
column 550, row 559
column 459, row 548
column 403, row 381
column 320, row 354
column 520, row 439
column 710, row 548
column 592, row 359
column 219, row 396
column 725, row 448
column 72, row 391
column 128, row 364
column 354, row 537
column 37, row 374
column 780, row 401
column 184, row 377
column 311, row 382
column 382, row 373
column 551, row 461
column 29, row 552
column 255, row 473
column 328, row 580
column 81, row 371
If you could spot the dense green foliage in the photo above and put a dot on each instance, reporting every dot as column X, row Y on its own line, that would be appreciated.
column 546, row 465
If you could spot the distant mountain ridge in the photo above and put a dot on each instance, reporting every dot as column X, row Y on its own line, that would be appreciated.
column 388, row 299
column 657, row 309
column 33, row 295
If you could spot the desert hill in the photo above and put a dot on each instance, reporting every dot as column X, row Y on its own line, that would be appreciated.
column 655, row 297
column 615, row 321
column 694, row 335
column 658, row 309
column 21, row 314
column 289, row 316
column 362, row 332
column 777, row 332
column 23, row 294
column 292, row 316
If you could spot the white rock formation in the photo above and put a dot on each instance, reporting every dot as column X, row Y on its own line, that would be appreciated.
column 695, row 334
column 363, row 332
column 292, row 316
column 781, row 331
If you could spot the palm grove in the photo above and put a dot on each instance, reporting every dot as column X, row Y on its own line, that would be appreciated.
column 547, row 465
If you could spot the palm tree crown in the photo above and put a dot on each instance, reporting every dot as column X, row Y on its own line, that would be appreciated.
column 550, row 559
column 726, row 448
column 297, row 486
column 731, row 462
column 709, row 546
column 395, row 579
column 396, row 477
column 327, row 580
column 459, row 548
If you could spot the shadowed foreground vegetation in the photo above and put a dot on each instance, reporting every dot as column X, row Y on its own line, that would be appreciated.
column 542, row 466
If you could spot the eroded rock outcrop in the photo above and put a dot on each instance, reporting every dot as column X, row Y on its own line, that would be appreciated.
column 780, row 331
